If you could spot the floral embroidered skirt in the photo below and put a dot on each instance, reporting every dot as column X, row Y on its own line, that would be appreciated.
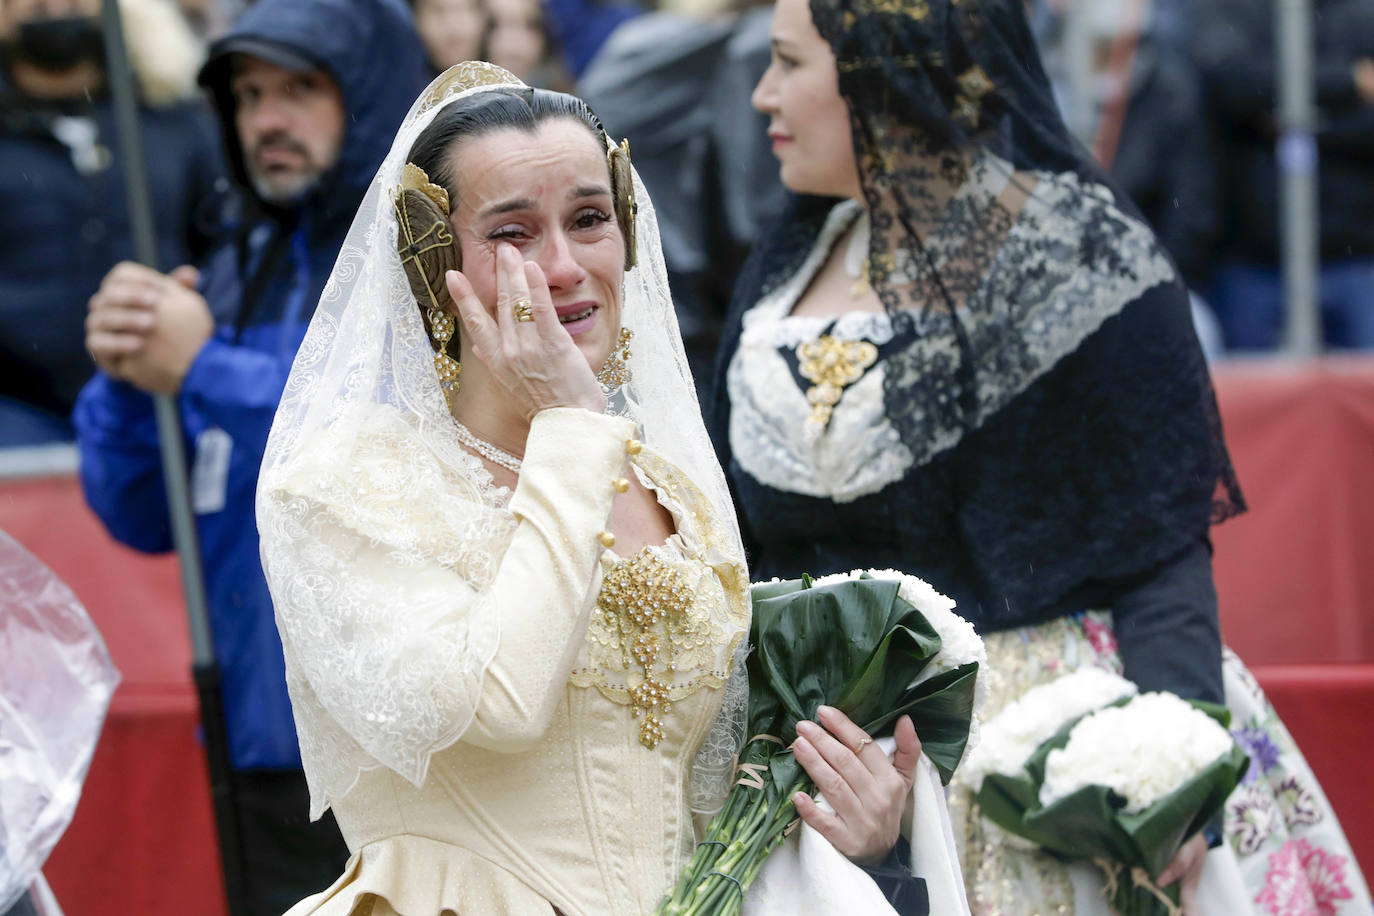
column 1284, row 855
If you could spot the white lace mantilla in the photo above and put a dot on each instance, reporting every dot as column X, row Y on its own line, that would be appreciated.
column 403, row 656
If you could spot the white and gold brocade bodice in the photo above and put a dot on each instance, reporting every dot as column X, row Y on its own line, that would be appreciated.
column 570, row 786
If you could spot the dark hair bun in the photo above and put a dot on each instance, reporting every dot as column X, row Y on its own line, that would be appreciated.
column 428, row 251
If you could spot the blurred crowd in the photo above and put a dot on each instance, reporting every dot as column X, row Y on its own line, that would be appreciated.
column 1176, row 97
column 1179, row 99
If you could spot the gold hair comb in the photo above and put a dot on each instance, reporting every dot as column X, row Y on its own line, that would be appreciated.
column 413, row 178
column 470, row 74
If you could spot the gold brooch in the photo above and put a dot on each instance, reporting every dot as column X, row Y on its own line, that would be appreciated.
column 647, row 601
column 832, row 365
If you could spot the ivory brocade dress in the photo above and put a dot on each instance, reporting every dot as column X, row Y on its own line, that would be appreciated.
column 568, row 791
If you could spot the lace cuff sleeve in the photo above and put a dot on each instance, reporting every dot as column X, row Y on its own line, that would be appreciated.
column 395, row 585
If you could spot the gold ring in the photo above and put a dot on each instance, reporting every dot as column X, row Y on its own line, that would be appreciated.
column 524, row 310
column 864, row 742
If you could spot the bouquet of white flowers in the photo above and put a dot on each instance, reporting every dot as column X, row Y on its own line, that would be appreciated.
column 1088, row 769
column 876, row 645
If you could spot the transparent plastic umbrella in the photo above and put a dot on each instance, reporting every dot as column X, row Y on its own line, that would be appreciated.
column 56, row 680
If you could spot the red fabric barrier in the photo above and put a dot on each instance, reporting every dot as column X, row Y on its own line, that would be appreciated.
column 1292, row 577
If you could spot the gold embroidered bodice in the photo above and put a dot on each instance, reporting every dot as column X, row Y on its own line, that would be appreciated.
column 662, row 628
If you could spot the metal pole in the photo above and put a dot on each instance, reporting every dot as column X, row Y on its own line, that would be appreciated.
column 205, row 669
column 1296, row 154
column 1121, row 67
column 1078, row 67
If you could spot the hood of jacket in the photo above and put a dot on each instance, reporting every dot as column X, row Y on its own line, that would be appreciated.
column 369, row 47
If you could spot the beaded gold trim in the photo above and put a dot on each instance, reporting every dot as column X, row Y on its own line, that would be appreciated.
column 647, row 602
column 703, row 643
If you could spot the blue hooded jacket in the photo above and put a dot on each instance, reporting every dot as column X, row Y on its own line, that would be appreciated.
column 262, row 284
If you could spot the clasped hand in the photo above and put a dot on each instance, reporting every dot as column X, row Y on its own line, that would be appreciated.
column 867, row 791
column 536, row 362
column 146, row 328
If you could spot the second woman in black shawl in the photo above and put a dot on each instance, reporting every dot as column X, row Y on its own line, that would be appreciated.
column 962, row 354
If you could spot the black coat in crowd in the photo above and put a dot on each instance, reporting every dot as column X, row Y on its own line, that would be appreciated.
column 64, row 223
column 1165, row 157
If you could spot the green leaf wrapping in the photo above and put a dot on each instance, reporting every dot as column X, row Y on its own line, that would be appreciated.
column 820, row 645
column 941, row 709
column 854, row 645
column 857, row 646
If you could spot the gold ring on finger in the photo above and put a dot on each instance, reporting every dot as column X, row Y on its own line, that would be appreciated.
column 524, row 310
column 864, row 742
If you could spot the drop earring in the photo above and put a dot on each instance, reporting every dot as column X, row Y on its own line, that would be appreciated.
column 615, row 372
column 441, row 328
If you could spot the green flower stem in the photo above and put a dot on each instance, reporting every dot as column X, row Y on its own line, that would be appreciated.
column 750, row 830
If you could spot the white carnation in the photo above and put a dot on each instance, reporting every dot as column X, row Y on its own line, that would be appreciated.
column 916, row 592
column 1024, row 724
column 835, row 579
column 1143, row 750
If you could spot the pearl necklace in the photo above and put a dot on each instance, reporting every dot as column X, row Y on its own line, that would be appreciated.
column 484, row 448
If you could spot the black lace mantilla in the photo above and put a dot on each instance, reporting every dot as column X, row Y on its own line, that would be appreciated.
column 1044, row 370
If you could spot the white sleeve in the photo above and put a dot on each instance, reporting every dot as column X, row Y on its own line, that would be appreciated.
column 413, row 616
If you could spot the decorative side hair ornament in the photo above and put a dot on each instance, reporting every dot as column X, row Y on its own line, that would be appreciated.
column 426, row 256
column 623, row 191
column 413, row 178
column 974, row 86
